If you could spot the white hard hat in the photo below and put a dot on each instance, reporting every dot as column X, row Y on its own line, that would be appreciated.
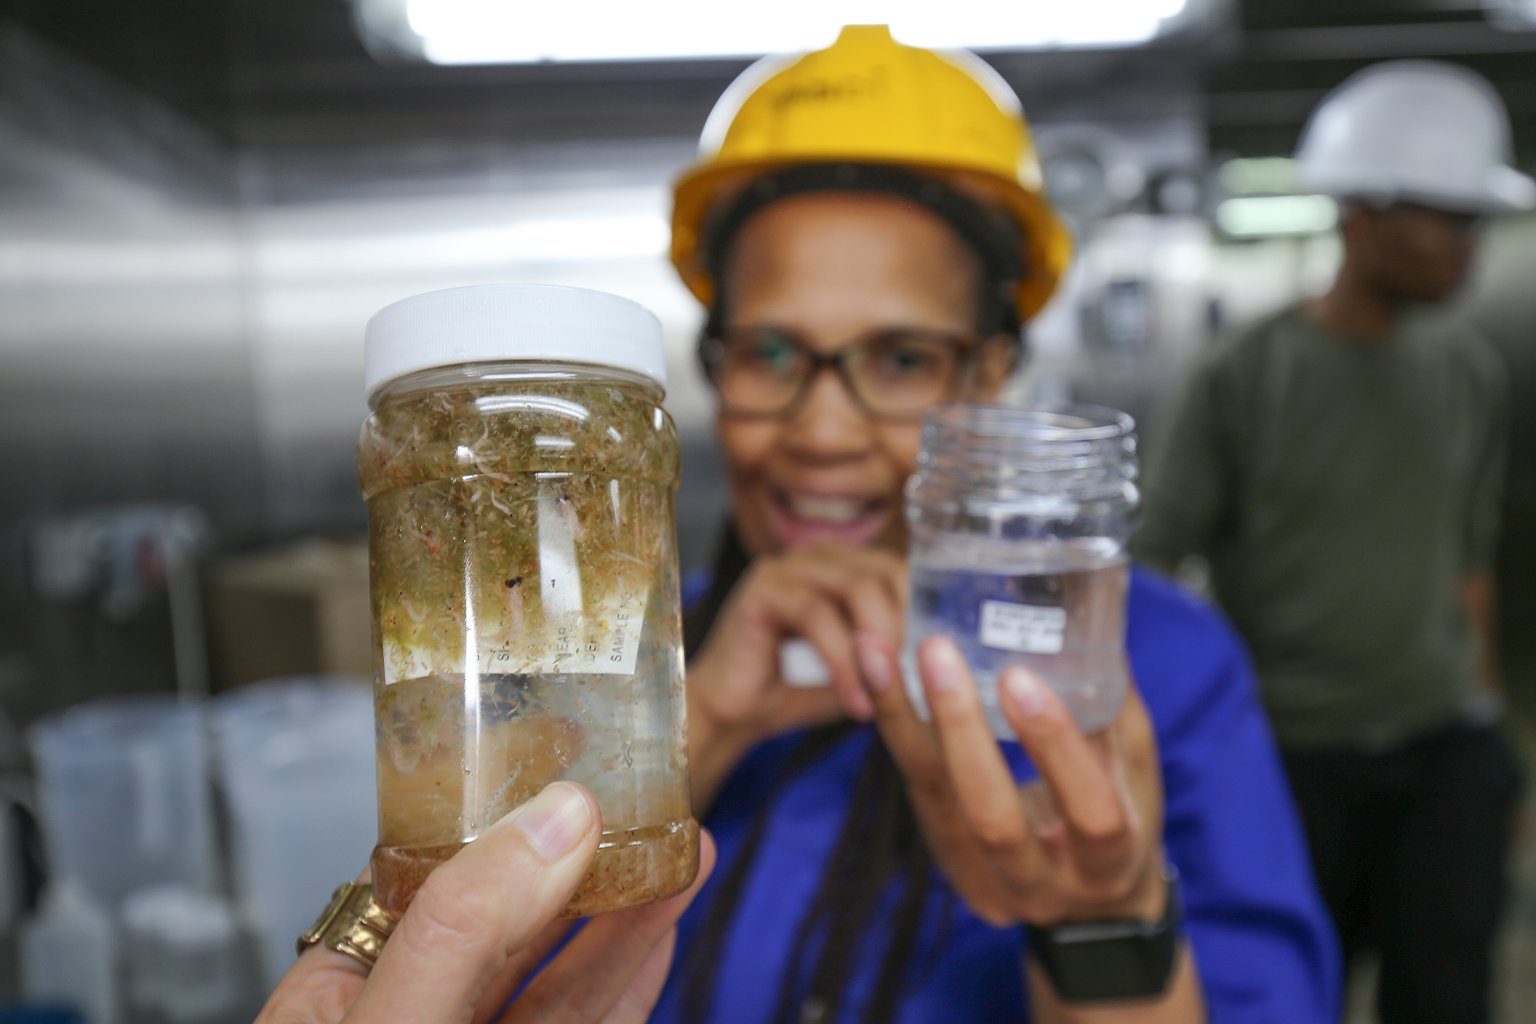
column 1415, row 131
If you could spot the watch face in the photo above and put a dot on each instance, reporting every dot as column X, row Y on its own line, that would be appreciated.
column 1107, row 960
column 1127, row 967
column 1121, row 959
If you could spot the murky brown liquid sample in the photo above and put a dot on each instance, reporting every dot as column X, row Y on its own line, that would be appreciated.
column 525, row 599
column 633, row 867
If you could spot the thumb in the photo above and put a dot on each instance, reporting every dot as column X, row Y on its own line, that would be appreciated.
column 491, row 899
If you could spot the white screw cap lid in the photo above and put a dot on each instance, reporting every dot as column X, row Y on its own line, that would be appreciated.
column 510, row 323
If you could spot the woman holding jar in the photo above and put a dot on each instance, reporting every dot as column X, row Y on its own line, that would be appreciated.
column 867, row 232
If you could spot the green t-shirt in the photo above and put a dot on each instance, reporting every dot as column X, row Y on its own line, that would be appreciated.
column 1341, row 492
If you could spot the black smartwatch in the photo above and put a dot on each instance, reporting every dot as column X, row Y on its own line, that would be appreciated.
column 1099, row 961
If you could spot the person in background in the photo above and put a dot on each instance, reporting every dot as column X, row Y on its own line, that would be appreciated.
column 1338, row 465
column 867, row 230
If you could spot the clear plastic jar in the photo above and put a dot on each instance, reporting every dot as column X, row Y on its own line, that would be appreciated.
column 520, row 472
column 1019, row 520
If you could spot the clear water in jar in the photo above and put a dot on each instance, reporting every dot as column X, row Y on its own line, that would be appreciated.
column 1056, row 607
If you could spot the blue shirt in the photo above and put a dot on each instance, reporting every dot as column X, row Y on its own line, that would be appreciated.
column 1263, row 945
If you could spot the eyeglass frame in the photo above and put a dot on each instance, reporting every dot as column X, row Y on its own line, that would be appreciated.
column 969, row 346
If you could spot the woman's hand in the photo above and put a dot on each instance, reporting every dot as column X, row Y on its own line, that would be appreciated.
column 826, row 594
column 1083, row 843
column 484, row 921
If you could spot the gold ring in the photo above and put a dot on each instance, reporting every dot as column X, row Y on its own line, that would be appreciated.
column 351, row 924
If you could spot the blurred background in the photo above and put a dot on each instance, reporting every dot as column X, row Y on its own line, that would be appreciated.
column 202, row 201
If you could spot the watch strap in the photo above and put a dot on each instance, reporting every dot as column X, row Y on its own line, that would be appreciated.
column 1099, row 961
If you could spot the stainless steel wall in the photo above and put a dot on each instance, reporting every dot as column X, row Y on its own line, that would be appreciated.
column 179, row 324
column 124, row 366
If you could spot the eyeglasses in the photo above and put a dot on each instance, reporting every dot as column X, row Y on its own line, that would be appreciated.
column 893, row 374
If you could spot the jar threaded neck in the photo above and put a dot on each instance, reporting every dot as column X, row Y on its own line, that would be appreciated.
column 1077, row 450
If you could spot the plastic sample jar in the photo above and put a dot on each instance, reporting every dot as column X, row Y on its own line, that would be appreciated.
column 1018, row 522
column 520, row 472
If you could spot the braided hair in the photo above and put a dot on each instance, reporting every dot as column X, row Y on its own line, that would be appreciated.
column 879, row 849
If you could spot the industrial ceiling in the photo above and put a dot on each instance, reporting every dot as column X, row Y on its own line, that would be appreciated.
column 293, row 73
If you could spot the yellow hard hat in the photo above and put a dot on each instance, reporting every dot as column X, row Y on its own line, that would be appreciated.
column 868, row 100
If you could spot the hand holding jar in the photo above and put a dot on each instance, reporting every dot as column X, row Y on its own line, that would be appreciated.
column 480, row 926
column 1015, row 628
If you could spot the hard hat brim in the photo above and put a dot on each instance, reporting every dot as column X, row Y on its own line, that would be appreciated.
column 1511, row 191
column 1045, row 242
column 1506, row 191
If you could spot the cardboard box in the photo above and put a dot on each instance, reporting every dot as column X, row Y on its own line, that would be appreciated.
column 296, row 610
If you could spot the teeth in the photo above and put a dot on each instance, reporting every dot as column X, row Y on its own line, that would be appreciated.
column 826, row 510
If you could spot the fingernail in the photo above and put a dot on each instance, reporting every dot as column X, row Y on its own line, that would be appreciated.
column 1025, row 690
column 555, row 821
column 946, row 667
column 873, row 661
column 1041, row 810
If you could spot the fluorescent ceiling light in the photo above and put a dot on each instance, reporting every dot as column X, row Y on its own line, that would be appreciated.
column 1266, row 216
column 522, row 32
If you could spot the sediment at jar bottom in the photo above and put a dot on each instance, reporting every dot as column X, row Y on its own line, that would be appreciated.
column 399, row 871
column 631, row 867
column 638, row 866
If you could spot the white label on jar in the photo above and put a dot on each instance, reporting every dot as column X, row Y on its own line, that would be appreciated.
column 559, row 572
column 1026, row 628
column 586, row 624
column 603, row 639
column 402, row 663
